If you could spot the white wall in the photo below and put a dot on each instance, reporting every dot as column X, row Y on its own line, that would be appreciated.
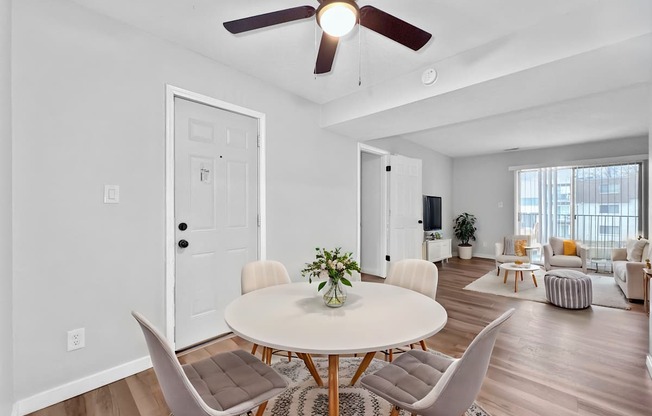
column 481, row 183
column 437, row 172
column 6, row 331
column 89, row 110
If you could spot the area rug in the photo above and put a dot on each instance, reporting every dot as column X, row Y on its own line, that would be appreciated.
column 304, row 398
column 605, row 290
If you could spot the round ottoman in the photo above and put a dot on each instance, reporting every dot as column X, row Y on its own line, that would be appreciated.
column 568, row 289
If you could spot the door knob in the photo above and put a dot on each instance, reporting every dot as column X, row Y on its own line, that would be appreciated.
column 420, row 222
column 183, row 226
column 183, row 243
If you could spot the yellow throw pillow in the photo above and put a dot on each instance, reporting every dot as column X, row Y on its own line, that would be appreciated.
column 570, row 249
column 519, row 248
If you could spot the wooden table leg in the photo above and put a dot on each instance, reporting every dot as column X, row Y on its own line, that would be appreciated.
column 333, row 387
column 515, row 281
column 534, row 279
column 363, row 366
column 307, row 359
column 505, row 279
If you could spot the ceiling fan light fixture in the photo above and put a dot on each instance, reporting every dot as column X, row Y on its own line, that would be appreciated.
column 337, row 18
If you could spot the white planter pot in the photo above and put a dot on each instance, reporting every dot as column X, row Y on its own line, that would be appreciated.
column 465, row 252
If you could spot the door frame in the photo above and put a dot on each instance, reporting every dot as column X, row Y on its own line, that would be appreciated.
column 172, row 92
column 365, row 148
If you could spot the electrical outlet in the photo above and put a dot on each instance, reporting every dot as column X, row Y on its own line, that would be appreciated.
column 76, row 339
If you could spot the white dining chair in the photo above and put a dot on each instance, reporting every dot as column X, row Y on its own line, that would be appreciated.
column 415, row 274
column 226, row 384
column 429, row 384
column 258, row 275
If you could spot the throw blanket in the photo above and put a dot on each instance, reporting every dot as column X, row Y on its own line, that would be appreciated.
column 565, row 273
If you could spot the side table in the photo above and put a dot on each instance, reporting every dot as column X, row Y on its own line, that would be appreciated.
column 647, row 275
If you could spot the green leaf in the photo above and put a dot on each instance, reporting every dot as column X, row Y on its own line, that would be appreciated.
column 345, row 281
column 321, row 286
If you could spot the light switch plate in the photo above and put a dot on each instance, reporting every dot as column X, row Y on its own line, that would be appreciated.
column 111, row 194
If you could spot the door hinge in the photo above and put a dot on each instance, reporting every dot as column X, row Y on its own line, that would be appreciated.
column 258, row 219
column 258, row 141
column 388, row 168
column 387, row 258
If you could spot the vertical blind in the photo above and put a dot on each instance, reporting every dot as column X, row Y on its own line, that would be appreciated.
column 602, row 206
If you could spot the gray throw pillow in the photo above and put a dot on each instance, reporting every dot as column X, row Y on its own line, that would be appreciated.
column 557, row 245
column 509, row 246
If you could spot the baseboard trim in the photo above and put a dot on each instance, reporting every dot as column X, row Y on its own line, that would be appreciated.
column 648, row 363
column 77, row 387
column 485, row 256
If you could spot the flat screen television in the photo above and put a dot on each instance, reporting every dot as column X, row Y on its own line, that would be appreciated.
column 431, row 213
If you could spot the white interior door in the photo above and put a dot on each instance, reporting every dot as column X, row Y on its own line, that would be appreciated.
column 405, row 208
column 216, row 197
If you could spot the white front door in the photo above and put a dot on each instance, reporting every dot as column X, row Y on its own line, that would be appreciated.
column 216, row 211
column 405, row 208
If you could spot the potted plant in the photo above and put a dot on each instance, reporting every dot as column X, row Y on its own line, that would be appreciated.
column 464, row 229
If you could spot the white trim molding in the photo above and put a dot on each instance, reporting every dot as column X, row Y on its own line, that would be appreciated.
column 648, row 364
column 77, row 387
column 172, row 92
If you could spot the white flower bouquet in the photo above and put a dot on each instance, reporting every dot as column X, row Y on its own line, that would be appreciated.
column 332, row 265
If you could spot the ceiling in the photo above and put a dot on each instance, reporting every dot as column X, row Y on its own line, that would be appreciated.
column 511, row 73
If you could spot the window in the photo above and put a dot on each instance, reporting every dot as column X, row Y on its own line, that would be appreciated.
column 613, row 230
column 609, row 209
column 602, row 206
column 610, row 188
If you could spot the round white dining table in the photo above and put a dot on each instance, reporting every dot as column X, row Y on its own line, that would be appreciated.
column 375, row 317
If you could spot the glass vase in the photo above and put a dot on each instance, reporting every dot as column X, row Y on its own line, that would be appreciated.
column 335, row 294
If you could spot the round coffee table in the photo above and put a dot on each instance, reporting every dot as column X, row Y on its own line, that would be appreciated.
column 518, row 269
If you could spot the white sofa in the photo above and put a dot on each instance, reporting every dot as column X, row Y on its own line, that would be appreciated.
column 629, row 273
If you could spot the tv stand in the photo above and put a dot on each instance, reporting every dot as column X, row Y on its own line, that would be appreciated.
column 438, row 250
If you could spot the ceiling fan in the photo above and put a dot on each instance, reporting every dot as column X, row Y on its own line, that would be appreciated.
column 337, row 18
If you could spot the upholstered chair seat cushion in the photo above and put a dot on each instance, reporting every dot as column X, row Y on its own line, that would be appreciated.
column 411, row 377
column 505, row 258
column 566, row 261
column 229, row 379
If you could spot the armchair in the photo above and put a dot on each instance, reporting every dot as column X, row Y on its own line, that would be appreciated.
column 507, row 252
column 627, row 266
column 554, row 257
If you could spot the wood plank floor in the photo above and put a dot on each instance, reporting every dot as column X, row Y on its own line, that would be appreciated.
column 547, row 360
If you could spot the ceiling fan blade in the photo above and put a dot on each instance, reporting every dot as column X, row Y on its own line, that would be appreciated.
column 269, row 19
column 326, row 54
column 394, row 28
